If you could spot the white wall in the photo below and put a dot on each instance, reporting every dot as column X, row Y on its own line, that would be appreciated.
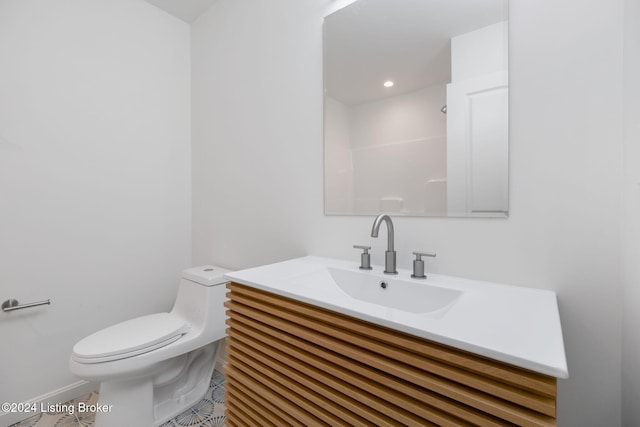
column 409, row 116
column 409, row 127
column 360, row 140
column 478, row 123
column 338, row 177
column 257, row 167
column 479, row 52
column 631, row 219
column 94, row 176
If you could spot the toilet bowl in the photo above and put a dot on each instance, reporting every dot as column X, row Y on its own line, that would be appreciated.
column 154, row 367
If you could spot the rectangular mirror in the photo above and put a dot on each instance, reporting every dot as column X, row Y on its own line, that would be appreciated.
column 416, row 108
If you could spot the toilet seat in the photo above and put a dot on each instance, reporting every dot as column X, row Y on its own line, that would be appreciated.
column 130, row 338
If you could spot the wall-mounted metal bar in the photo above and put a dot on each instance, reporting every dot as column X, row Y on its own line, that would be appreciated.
column 12, row 304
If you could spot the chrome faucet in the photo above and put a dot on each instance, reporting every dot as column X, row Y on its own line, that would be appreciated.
column 390, row 254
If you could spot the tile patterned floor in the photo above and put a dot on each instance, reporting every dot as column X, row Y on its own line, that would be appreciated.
column 209, row 412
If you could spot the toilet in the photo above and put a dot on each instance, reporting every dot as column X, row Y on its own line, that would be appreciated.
column 154, row 367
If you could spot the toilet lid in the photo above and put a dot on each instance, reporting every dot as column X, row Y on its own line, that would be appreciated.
column 130, row 338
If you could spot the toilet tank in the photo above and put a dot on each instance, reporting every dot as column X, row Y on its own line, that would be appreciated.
column 206, row 275
column 200, row 301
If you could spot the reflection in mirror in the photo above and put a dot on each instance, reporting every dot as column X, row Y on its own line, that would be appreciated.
column 416, row 108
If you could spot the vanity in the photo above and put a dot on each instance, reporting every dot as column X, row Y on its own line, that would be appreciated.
column 318, row 341
column 416, row 98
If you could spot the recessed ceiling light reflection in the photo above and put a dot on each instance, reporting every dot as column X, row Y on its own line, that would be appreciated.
column 388, row 83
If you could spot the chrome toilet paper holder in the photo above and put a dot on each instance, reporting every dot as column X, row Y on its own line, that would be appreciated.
column 12, row 304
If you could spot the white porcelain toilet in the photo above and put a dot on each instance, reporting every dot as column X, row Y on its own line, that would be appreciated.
column 154, row 367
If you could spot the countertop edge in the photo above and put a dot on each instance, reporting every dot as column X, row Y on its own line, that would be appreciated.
column 559, row 371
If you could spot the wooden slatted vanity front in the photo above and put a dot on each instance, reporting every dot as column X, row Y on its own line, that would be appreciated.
column 292, row 363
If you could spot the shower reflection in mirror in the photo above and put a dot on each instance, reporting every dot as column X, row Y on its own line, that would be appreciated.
column 391, row 69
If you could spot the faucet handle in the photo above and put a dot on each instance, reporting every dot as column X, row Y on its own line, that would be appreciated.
column 365, row 257
column 419, row 255
column 418, row 264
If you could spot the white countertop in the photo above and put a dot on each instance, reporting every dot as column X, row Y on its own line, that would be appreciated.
column 515, row 325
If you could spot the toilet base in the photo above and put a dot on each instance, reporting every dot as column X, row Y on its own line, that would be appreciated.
column 150, row 401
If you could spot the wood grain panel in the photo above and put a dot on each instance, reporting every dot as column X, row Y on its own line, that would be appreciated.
column 396, row 366
column 313, row 366
column 406, row 395
column 275, row 408
column 295, row 415
column 339, row 391
column 502, row 372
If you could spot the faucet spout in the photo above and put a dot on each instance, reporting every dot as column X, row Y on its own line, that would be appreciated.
column 376, row 228
column 390, row 254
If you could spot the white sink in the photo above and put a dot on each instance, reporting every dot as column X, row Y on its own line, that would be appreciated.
column 407, row 295
column 515, row 325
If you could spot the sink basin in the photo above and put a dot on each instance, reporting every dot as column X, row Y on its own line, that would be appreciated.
column 407, row 295
column 516, row 325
